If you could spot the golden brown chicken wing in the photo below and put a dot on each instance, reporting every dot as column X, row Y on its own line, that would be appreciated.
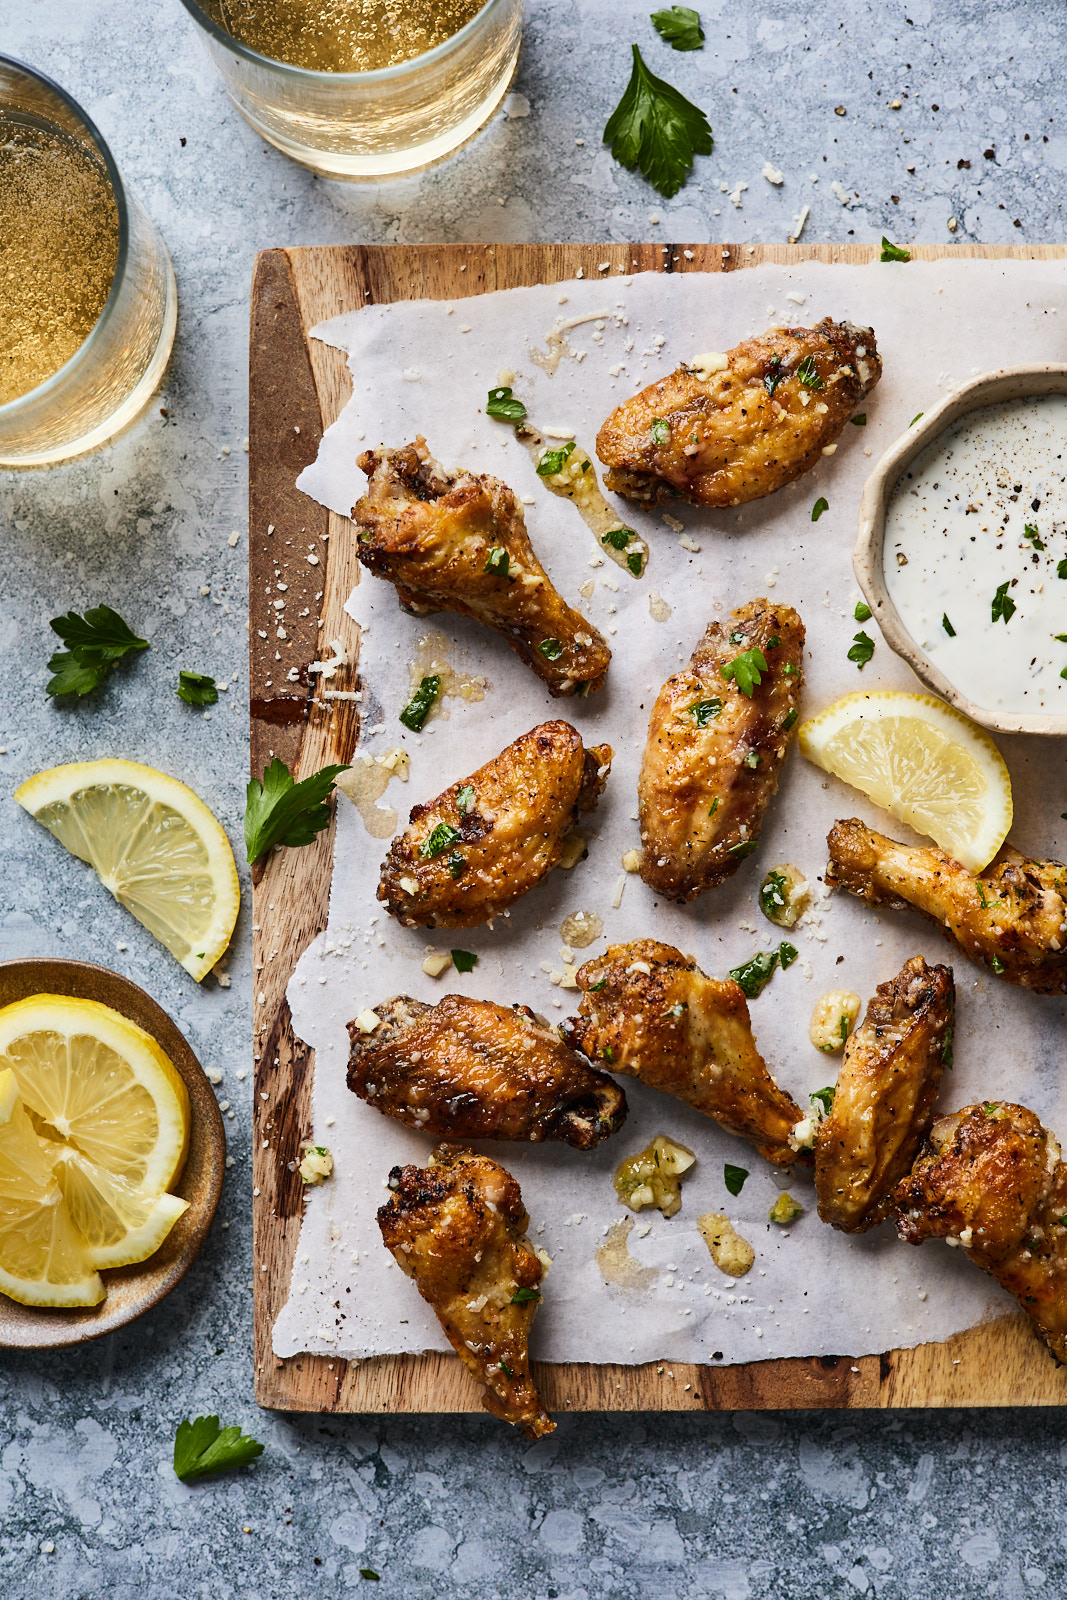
column 457, row 1228
column 457, row 541
column 488, row 839
column 885, row 1096
column 745, row 423
column 649, row 1011
column 470, row 1069
column 717, row 737
column 991, row 1180
column 1012, row 916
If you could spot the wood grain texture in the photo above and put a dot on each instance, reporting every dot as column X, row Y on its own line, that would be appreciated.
column 297, row 386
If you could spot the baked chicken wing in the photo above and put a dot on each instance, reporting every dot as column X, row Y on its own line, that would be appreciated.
column 457, row 541
column 885, row 1096
column 990, row 1179
column 717, row 737
column 457, row 1228
column 1012, row 916
column 470, row 1069
column 740, row 425
column 488, row 839
column 649, row 1011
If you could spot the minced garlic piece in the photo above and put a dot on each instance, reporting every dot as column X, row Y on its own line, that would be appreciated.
column 785, row 1210
column 653, row 1177
column 368, row 1020
column 730, row 1253
column 632, row 861
column 317, row 1164
column 436, row 963
column 833, row 1019
column 712, row 361
column 803, row 1135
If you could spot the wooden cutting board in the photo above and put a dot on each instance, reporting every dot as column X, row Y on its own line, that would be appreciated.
column 297, row 387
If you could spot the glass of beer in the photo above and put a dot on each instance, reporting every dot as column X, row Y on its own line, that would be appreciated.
column 363, row 88
column 88, row 304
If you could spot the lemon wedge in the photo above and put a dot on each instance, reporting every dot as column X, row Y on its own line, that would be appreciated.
column 153, row 843
column 94, row 1125
column 922, row 760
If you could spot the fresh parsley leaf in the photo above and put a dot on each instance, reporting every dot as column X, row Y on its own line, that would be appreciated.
column 745, row 848
column 753, row 976
column 789, row 719
column 202, row 1447
column 522, row 1297
column 773, row 642
column 553, row 460
column 618, row 538
column 551, row 649
column 680, row 26
column 824, row 1098
column 808, row 373
column 821, row 505
column 745, row 670
column 464, row 960
column 915, row 418
column 704, row 711
column 497, row 561
column 441, row 839
column 661, row 431
column 281, row 811
column 772, row 896
column 95, row 642
column 421, row 703
column 456, row 864
column 1061, row 569
column 1003, row 605
column 893, row 252
column 946, row 624
column 772, row 379
column 787, row 954
column 734, row 1177
column 635, row 562
column 997, row 965
column 862, row 612
column 196, row 688
column 465, row 797
column 656, row 129
column 502, row 403
column 859, row 420
column 862, row 649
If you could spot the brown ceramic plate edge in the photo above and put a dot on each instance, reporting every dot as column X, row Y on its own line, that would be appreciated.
column 131, row 1291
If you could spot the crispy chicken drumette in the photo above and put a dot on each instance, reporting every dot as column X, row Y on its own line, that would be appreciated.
column 457, row 1228
column 488, row 839
column 1012, row 916
column 991, row 1178
column 649, row 1011
column 470, row 1069
column 717, row 737
column 744, row 424
column 457, row 541
column 885, row 1096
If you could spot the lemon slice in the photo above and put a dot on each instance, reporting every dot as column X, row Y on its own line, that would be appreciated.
column 153, row 843
column 924, row 762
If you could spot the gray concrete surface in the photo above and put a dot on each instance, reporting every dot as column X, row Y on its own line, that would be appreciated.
column 786, row 1507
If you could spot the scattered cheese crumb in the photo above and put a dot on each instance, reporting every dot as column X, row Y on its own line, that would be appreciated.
column 772, row 174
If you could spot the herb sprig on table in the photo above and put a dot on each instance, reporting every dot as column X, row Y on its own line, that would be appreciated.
column 197, row 688
column 281, row 811
column 657, row 130
column 680, row 27
column 95, row 642
column 201, row 1447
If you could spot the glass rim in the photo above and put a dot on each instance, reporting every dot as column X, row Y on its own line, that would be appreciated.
column 92, row 338
column 374, row 76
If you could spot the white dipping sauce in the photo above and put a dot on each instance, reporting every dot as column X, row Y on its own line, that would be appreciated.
column 956, row 531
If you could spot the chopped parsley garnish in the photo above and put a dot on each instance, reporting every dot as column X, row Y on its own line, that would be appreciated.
column 1003, row 605
column 737, row 638
column 772, row 379
column 946, row 624
column 773, row 642
column 715, row 806
column 552, row 461
column 1030, row 532
column 1061, row 569
column 456, row 864
column 280, row 811
column 498, row 561
column 946, row 1047
column 595, row 988
column 607, row 1053
column 196, row 688
column 745, row 670
column 618, row 538
column 789, row 719
column 657, row 130
column 95, row 642
column 421, row 703
column 465, row 797
column 661, row 431
column 464, row 960
column 502, row 403
column 915, row 418
column 1062, row 637
column 862, row 649
column 862, row 612
column 676, row 1011
column 752, row 759
column 441, row 839
column 772, row 896
column 789, row 670
column 680, row 26
column 502, row 1364
column 703, row 711
column 821, row 505
column 745, row 848
column 893, row 252
column 990, row 1108
column 635, row 562
column 551, row 649
column 522, row 1297
column 787, row 954
column 202, row 1447
column 754, row 975
column 824, row 1098
column 734, row 1177
column 997, row 965
column 859, row 420
column 808, row 373
column 842, row 1028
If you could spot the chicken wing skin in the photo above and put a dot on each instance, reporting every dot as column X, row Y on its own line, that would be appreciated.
column 722, row 438
column 457, row 541
column 1012, row 917
column 470, row 1069
column 714, row 752
column 488, row 839
column 885, row 1096
column 457, row 1228
column 991, row 1179
column 649, row 1011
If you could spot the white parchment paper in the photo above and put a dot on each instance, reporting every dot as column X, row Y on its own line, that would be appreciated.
column 426, row 367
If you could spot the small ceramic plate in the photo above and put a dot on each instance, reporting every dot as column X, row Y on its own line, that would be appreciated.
column 1009, row 383
column 130, row 1290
